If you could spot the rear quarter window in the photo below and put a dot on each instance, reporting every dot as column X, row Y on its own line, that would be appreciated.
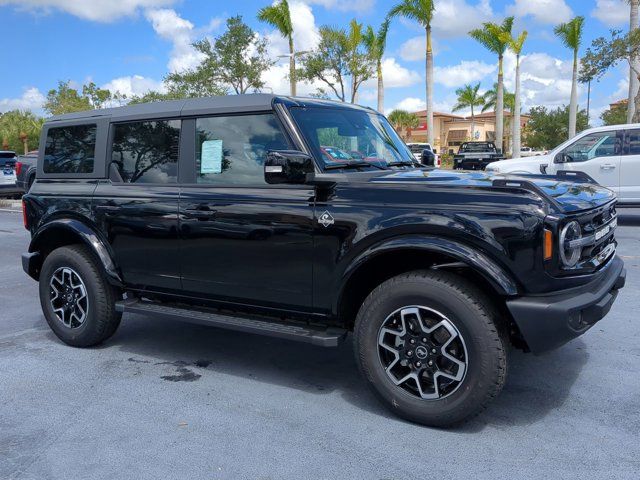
column 70, row 149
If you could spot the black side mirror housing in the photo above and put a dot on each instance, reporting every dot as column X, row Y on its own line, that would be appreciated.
column 287, row 166
column 428, row 158
column 560, row 158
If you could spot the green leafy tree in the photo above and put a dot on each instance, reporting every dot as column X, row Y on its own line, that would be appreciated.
column 66, row 99
column 98, row 97
column 494, row 37
column 279, row 17
column 615, row 116
column 516, row 44
column 605, row 53
column 234, row 60
column 548, row 128
column 402, row 121
column 570, row 34
column 491, row 97
column 422, row 12
column 376, row 43
column 20, row 130
column 468, row 97
column 341, row 55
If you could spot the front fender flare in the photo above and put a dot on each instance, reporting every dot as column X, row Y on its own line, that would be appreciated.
column 87, row 235
column 498, row 278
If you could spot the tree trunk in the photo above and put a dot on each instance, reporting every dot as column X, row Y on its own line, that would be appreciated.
column 516, row 114
column 500, row 107
column 635, row 61
column 573, row 106
column 636, row 114
column 429, row 67
column 292, row 68
column 380, row 88
column 354, row 89
column 473, row 124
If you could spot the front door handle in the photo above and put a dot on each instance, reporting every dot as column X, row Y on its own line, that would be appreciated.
column 607, row 166
column 108, row 208
column 200, row 214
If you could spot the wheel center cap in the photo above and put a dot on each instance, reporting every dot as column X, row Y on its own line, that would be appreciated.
column 422, row 352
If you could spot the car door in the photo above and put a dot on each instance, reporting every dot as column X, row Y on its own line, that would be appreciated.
column 596, row 154
column 243, row 241
column 630, row 167
column 137, row 207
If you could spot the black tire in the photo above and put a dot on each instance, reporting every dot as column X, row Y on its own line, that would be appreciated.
column 470, row 312
column 101, row 320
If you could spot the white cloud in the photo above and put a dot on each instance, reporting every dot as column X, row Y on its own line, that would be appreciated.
column 410, row 104
column 182, row 33
column 360, row 6
column 31, row 99
column 464, row 72
column 414, row 48
column 395, row 75
column 612, row 13
column 455, row 18
column 95, row 10
column 545, row 80
column 134, row 85
column 543, row 11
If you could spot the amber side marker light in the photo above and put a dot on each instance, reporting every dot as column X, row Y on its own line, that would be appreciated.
column 548, row 244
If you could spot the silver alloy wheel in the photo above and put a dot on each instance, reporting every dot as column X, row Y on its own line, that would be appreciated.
column 68, row 297
column 422, row 352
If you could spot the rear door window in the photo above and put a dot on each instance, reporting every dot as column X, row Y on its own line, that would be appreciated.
column 70, row 150
column 632, row 143
column 147, row 152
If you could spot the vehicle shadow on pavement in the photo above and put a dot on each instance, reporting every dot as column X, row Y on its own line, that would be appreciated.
column 535, row 385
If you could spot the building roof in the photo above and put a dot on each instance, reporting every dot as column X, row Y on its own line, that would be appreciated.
column 619, row 103
column 202, row 106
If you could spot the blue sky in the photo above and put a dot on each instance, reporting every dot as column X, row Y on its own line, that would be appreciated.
column 129, row 45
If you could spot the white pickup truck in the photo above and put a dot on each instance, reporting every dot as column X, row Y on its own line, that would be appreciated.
column 610, row 155
column 530, row 152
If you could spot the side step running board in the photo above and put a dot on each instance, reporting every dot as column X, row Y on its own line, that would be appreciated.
column 316, row 335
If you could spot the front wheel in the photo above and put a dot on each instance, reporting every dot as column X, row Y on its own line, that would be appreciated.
column 427, row 344
column 77, row 301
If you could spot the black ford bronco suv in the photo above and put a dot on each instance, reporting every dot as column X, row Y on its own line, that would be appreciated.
column 229, row 212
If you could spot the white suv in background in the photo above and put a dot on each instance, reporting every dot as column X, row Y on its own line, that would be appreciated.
column 610, row 155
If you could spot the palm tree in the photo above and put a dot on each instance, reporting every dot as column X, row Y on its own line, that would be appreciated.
column 468, row 97
column 279, row 16
column 633, row 78
column 376, row 44
column 403, row 120
column 422, row 12
column 491, row 36
column 570, row 34
column 491, row 97
column 516, row 44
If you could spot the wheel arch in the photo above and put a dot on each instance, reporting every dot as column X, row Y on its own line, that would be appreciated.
column 400, row 255
column 61, row 232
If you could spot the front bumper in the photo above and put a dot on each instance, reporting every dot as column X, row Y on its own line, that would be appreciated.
column 549, row 321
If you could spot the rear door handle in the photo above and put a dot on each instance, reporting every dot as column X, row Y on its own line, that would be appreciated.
column 607, row 166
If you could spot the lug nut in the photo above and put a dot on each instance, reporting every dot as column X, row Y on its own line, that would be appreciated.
column 431, row 363
column 418, row 364
column 412, row 341
column 424, row 340
column 433, row 350
column 409, row 353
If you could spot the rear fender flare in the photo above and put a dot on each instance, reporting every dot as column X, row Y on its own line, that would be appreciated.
column 87, row 235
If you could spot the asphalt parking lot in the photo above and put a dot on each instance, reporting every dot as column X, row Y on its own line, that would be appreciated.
column 172, row 400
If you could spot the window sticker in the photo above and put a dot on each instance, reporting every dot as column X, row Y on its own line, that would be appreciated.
column 211, row 161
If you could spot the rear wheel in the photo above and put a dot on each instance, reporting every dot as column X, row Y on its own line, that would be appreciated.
column 427, row 343
column 77, row 301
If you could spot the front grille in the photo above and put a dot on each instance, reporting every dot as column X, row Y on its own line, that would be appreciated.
column 594, row 254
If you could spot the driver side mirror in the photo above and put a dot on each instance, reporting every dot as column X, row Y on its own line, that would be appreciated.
column 561, row 158
column 287, row 166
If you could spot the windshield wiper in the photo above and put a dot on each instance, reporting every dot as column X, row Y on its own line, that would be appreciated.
column 403, row 164
column 356, row 164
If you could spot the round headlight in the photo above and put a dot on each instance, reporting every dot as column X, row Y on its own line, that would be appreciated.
column 568, row 255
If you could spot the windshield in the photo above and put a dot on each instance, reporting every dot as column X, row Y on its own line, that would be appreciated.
column 341, row 136
column 478, row 147
column 418, row 147
column 7, row 155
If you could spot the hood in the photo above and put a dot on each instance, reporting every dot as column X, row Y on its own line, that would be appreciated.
column 564, row 195
column 520, row 165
